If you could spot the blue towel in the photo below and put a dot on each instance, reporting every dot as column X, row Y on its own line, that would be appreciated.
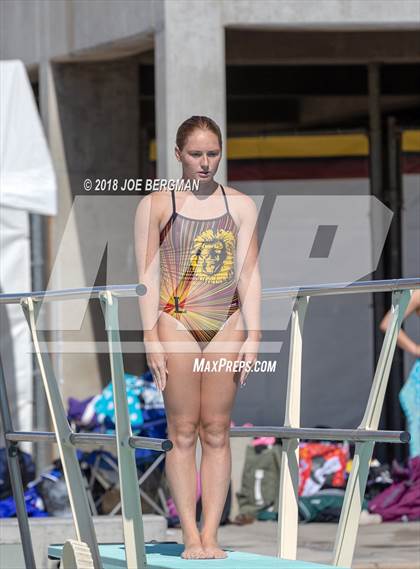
column 104, row 405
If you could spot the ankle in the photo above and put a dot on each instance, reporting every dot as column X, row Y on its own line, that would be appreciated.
column 191, row 536
column 208, row 536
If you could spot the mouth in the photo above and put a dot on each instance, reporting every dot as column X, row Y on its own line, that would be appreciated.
column 204, row 173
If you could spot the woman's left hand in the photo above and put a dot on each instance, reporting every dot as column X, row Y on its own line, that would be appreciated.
column 248, row 354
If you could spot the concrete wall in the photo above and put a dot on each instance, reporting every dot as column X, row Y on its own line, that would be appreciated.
column 44, row 28
column 189, row 75
column 40, row 29
column 352, row 14
column 91, row 117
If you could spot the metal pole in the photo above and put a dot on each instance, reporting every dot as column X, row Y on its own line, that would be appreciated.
column 394, row 418
column 287, row 526
column 83, row 522
column 130, row 495
column 81, row 439
column 40, row 407
column 379, row 302
column 345, row 541
column 308, row 433
column 15, row 475
column 133, row 290
column 376, row 183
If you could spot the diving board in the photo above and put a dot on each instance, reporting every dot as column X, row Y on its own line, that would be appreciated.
column 168, row 556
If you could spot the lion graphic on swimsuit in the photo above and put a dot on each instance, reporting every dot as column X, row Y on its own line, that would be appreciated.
column 212, row 257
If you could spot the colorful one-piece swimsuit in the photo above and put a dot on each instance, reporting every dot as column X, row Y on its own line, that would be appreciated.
column 197, row 272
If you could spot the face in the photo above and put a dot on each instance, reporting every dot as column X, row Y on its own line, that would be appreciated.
column 200, row 156
column 213, row 256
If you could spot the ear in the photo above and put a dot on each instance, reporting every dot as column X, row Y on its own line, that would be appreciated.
column 178, row 153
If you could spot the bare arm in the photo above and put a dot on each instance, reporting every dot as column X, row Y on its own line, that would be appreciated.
column 146, row 242
column 249, row 283
column 403, row 340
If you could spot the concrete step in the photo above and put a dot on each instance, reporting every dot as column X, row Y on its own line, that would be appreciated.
column 45, row 531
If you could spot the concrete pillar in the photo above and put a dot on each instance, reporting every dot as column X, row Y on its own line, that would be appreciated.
column 92, row 123
column 189, row 75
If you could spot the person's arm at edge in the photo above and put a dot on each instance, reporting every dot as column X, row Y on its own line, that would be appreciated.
column 403, row 340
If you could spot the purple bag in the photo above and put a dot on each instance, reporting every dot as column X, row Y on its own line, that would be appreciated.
column 401, row 501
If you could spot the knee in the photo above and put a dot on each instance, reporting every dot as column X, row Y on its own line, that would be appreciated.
column 214, row 434
column 184, row 435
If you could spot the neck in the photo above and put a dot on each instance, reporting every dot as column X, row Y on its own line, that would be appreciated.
column 205, row 188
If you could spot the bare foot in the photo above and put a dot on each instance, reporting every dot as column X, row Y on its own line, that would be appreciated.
column 212, row 549
column 193, row 550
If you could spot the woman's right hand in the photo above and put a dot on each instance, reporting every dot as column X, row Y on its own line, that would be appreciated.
column 156, row 360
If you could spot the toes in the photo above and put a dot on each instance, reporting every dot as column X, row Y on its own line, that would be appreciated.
column 215, row 553
column 193, row 554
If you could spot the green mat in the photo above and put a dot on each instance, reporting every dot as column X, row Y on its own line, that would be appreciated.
column 168, row 556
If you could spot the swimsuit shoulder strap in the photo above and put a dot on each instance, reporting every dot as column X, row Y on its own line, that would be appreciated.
column 173, row 203
column 224, row 195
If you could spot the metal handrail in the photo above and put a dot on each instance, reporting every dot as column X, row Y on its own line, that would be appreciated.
column 133, row 290
column 81, row 439
column 364, row 436
column 130, row 290
column 312, row 434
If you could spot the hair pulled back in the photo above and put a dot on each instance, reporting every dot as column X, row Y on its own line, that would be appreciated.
column 193, row 123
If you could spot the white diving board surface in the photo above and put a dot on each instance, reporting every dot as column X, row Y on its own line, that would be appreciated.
column 168, row 556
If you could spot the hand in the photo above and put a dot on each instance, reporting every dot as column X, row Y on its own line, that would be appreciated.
column 247, row 354
column 157, row 362
column 416, row 352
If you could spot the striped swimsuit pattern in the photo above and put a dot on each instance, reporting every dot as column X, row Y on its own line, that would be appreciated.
column 197, row 272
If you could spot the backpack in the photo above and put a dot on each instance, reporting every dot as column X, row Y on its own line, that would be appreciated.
column 260, row 479
column 27, row 469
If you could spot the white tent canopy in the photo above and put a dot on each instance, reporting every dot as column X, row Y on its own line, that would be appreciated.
column 27, row 175
column 27, row 185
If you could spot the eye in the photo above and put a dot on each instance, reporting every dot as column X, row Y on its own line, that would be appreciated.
column 195, row 154
column 213, row 154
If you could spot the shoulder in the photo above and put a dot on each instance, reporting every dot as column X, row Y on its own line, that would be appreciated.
column 154, row 204
column 242, row 204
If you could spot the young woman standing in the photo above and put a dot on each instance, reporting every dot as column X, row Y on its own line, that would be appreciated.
column 197, row 254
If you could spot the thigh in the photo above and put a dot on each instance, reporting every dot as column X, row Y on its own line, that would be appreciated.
column 182, row 392
column 175, row 337
column 218, row 389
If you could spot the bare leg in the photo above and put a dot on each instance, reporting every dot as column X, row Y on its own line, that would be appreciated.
column 182, row 405
column 218, row 392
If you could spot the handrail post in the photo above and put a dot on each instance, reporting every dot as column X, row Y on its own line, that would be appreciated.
column 129, row 485
column 83, row 522
column 287, row 528
column 346, row 536
column 15, row 475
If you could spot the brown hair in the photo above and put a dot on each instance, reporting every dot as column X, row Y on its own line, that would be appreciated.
column 194, row 122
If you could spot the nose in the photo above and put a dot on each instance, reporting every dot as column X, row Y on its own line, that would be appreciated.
column 205, row 162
